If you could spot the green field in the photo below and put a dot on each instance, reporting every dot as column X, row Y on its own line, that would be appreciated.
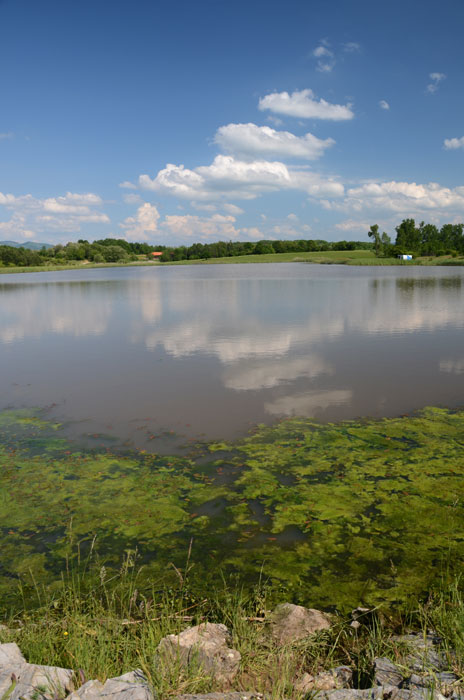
column 328, row 257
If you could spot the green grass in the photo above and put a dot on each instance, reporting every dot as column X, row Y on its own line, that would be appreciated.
column 105, row 625
column 71, row 266
column 330, row 257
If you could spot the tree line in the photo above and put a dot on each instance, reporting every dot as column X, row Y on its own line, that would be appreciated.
column 116, row 250
column 221, row 249
column 424, row 239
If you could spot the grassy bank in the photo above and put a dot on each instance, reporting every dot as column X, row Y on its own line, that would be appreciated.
column 71, row 266
column 108, row 626
column 330, row 257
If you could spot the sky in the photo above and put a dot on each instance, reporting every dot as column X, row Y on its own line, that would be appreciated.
column 173, row 121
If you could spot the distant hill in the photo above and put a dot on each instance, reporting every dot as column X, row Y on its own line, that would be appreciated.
column 28, row 244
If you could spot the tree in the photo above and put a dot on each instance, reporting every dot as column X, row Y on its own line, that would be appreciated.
column 408, row 237
column 375, row 235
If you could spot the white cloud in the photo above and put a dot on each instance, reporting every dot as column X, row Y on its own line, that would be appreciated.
column 6, row 135
column 144, row 223
column 217, row 227
column 383, row 104
column 16, row 229
column 436, row 79
column 127, row 185
column 132, row 199
column 303, row 104
column 228, row 178
column 325, row 59
column 453, row 144
column 202, row 206
column 403, row 198
column 250, row 140
column 253, row 232
column 65, row 213
column 274, row 120
column 352, row 47
column 233, row 209
column 351, row 225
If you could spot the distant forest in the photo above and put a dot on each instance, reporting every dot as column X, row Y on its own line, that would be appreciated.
column 115, row 250
column 422, row 240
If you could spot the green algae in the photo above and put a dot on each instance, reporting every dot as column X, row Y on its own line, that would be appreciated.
column 348, row 513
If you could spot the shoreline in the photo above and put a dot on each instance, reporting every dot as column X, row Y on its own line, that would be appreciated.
column 359, row 258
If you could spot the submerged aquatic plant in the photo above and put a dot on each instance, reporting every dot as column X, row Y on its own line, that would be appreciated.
column 336, row 514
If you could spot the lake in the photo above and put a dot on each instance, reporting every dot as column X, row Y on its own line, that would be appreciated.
column 211, row 350
column 252, row 415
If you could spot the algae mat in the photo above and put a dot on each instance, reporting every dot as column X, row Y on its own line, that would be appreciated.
column 347, row 513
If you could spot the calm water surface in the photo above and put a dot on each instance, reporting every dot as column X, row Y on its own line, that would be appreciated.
column 210, row 350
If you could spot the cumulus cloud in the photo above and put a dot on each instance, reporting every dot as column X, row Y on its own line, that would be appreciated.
column 127, row 185
column 66, row 213
column 353, row 225
column 250, row 140
column 305, row 105
column 383, row 104
column 216, row 227
column 325, row 59
column 6, row 135
column 436, row 79
column 233, row 209
column 143, row 224
column 403, row 198
column 453, row 144
column 229, row 178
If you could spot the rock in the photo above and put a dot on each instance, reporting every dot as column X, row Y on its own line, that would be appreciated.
column 344, row 676
column 289, row 622
column 386, row 673
column 424, row 656
column 222, row 696
column 87, row 691
column 33, row 682
column 130, row 686
column 18, row 679
column 336, row 678
column 10, row 655
column 443, row 681
column 386, row 692
column 418, row 641
column 205, row 645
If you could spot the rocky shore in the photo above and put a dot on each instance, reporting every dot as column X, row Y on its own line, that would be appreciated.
column 423, row 669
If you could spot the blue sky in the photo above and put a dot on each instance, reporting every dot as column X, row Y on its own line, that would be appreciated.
column 177, row 121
